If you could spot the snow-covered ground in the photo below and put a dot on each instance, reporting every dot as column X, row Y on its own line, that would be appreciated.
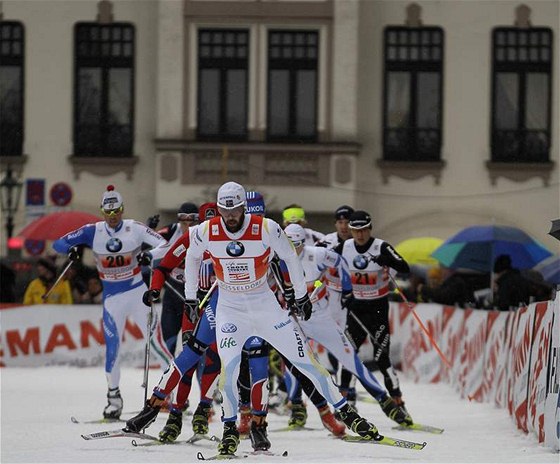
column 36, row 406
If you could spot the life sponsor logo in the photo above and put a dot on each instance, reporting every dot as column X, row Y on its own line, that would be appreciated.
column 114, row 245
column 255, row 230
column 215, row 229
column 235, row 249
column 255, row 209
column 360, row 262
column 227, row 342
column 229, row 327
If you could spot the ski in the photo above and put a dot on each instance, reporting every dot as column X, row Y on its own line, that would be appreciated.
column 224, row 457
column 387, row 441
column 190, row 441
column 419, row 428
column 294, row 428
column 118, row 433
column 95, row 421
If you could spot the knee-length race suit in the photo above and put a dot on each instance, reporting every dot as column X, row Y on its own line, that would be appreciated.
column 115, row 252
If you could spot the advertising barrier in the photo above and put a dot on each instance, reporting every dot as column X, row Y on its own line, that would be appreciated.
column 509, row 359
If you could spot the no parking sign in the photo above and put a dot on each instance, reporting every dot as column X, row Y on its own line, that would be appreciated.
column 61, row 194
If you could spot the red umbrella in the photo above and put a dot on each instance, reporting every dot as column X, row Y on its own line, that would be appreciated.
column 55, row 225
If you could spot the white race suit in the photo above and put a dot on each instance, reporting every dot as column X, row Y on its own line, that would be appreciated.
column 246, row 305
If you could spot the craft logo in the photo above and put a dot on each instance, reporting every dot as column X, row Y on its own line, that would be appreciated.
column 235, row 249
column 228, row 327
column 360, row 262
column 179, row 250
column 113, row 245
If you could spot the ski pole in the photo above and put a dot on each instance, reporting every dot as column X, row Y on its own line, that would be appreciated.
column 46, row 295
column 422, row 326
column 148, row 342
column 174, row 290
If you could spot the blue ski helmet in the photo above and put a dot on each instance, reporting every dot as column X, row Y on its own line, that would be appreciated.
column 255, row 203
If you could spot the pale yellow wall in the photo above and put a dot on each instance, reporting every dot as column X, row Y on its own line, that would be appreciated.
column 402, row 208
column 49, row 92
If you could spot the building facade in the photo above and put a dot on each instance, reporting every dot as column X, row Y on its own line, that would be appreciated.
column 432, row 115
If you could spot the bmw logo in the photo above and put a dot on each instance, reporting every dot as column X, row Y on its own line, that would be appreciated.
column 113, row 245
column 228, row 327
column 235, row 249
column 360, row 262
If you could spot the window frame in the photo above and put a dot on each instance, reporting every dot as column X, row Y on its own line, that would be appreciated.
column 413, row 68
column 293, row 66
column 204, row 63
column 17, row 61
column 521, row 69
column 105, row 64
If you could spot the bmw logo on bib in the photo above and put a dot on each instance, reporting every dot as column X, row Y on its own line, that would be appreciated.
column 360, row 262
column 235, row 249
column 113, row 245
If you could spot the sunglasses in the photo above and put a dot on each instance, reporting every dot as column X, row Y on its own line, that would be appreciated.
column 185, row 217
column 112, row 212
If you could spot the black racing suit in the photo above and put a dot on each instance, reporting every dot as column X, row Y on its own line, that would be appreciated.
column 374, row 315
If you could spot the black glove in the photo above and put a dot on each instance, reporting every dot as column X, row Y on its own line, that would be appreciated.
column 153, row 221
column 346, row 298
column 150, row 296
column 380, row 260
column 73, row 254
column 289, row 296
column 144, row 258
column 303, row 307
column 201, row 294
column 191, row 309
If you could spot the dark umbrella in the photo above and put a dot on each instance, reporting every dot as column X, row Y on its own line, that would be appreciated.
column 55, row 225
column 477, row 247
column 555, row 229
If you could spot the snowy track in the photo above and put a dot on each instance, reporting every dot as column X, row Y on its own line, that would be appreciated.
column 36, row 406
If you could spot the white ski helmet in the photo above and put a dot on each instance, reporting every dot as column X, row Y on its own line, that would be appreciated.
column 231, row 195
column 296, row 234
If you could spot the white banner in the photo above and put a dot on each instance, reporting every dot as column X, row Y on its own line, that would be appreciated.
column 43, row 335
column 552, row 403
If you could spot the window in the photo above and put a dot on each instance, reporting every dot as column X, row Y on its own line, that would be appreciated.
column 521, row 94
column 104, row 89
column 223, row 57
column 292, row 85
column 12, row 42
column 412, row 116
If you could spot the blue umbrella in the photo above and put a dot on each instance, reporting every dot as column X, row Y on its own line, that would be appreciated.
column 477, row 247
column 550, row 269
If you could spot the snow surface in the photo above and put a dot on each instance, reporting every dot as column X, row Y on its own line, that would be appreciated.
column 36, row 406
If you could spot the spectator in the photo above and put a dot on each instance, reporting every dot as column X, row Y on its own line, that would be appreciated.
column 7, row 284
column 453, row 291
column 46, row 276
column 510, row 288
column 94, row 293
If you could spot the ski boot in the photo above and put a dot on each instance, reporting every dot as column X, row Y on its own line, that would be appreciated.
column 200, row 418
column 145, row 417
column 299, row 415
column 258, row 435
column 358, row 424
column 173, row 426
column 114, row 406
column 244, row 420
column 230, row 440
column 395, row 412
column 336, row 427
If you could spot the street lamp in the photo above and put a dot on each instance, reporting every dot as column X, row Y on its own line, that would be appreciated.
column 10, row 192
